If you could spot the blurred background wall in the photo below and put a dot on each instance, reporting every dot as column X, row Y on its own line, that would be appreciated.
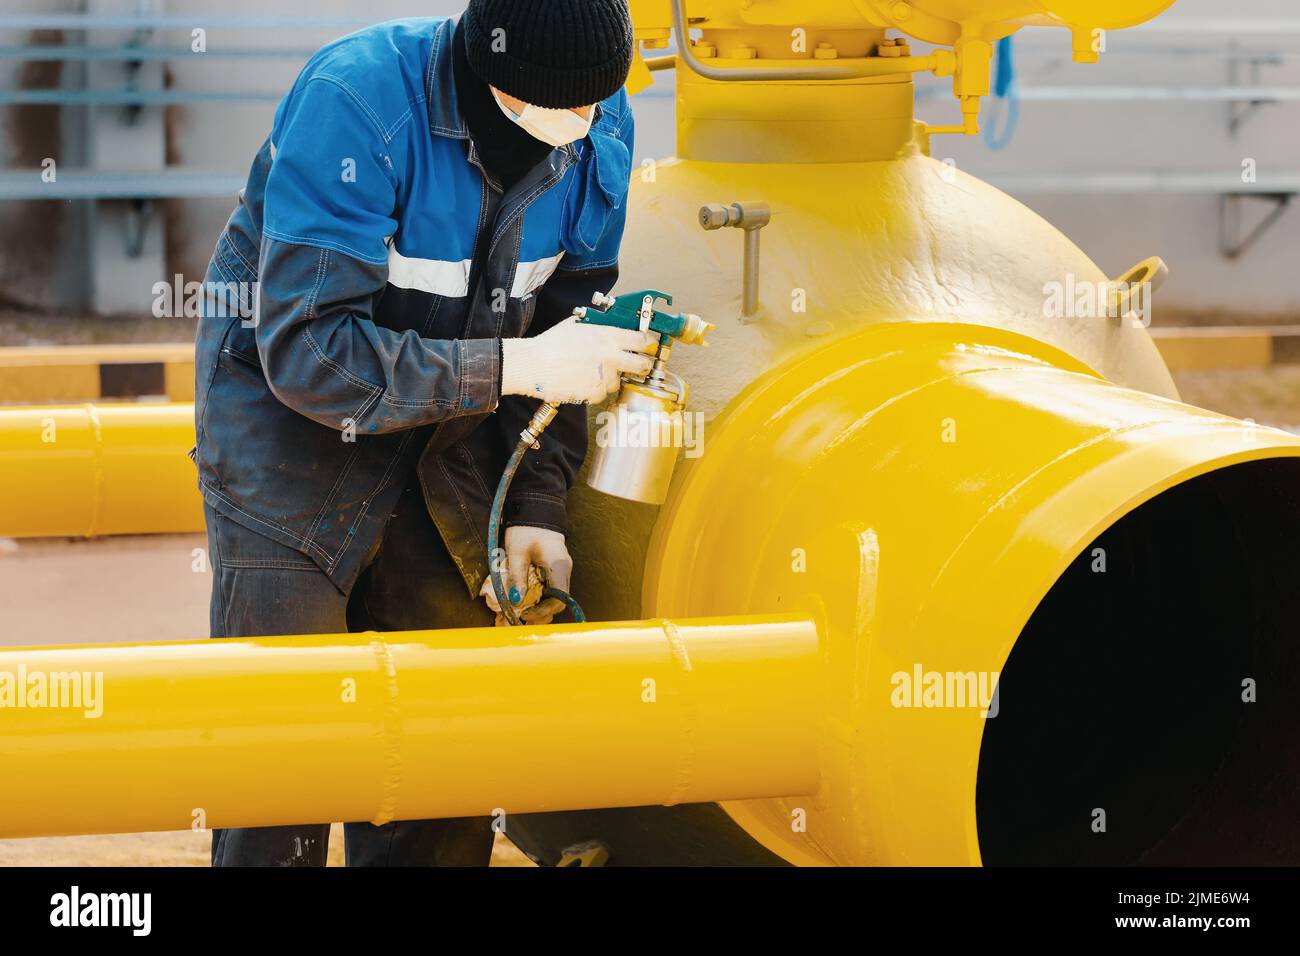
column 1130, row 157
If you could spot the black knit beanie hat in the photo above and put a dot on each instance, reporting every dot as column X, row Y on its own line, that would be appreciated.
column 552, row 53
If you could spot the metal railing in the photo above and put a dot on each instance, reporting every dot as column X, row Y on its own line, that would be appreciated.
column 20, row 184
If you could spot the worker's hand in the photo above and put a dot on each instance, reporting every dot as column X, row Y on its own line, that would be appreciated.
column 574, row 361
column 535, row 558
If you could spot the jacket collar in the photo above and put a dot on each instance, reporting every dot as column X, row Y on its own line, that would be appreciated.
column 440, row 86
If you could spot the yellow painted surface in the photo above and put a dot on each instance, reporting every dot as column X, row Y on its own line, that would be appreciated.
column 937, row 21
column 854, row 35
column 253, row 732
column 179, row 379
column 54, row 355
column 850, row 246
column 1197, row 349
column 33, row 375
column 88, row 470
column 36, row 383
column 867, row 227
column 916, row 489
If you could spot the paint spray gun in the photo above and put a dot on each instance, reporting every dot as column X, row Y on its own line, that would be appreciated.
column 637, row 449
column 646, row 418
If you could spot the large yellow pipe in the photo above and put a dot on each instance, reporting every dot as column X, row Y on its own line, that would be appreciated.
column 920, row 487
column 87, row 470
column 256, row 732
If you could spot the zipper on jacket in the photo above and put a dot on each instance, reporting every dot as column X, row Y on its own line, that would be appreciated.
column 486, row 220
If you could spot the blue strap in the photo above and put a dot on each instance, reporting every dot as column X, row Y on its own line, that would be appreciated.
column 1004, row 88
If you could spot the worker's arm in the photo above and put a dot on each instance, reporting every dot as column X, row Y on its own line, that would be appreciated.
column 331, row 204
column 537, row 495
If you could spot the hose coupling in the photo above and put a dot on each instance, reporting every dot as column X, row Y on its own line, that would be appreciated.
column 532, row 432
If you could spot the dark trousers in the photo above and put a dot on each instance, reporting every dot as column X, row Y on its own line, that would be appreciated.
column 262, row 588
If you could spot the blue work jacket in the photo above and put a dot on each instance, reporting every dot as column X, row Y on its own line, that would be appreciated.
column 356, row 300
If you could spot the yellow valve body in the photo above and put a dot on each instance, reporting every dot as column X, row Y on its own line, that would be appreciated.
column 850, row 245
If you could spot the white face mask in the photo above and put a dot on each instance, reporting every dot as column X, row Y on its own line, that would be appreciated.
column 556, row 127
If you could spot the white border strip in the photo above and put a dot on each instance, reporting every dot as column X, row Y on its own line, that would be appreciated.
column 436, row 276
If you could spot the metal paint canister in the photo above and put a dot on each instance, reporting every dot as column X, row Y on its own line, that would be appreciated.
column 638, row 438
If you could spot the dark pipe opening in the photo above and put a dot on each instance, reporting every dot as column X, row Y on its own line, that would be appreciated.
column 1125, row 694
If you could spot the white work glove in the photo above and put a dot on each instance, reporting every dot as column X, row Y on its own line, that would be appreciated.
column 535, row 558
column 574, row 361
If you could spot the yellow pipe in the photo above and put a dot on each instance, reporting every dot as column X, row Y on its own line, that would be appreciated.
column 82, row 373
column 266, row 731
column 919, row 488
column 88, row 470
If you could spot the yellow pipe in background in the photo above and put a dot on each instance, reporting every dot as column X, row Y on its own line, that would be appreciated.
column 67, row 374
column 447, row 723
column 89, row 470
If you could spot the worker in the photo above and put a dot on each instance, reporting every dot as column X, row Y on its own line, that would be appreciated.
column 435, row 198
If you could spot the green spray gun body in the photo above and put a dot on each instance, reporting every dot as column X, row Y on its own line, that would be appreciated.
column 645, row 420
column 636, row 310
